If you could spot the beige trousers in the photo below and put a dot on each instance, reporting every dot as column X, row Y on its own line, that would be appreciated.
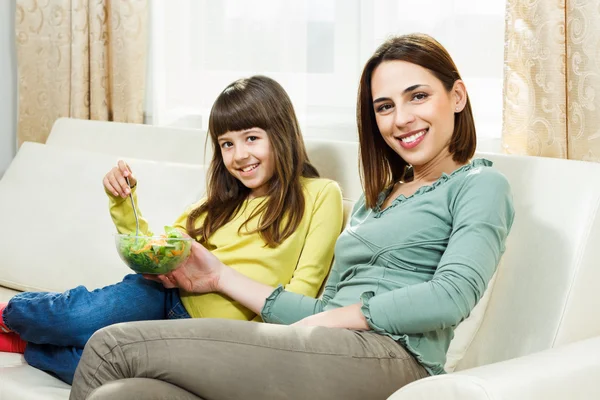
column 214, row 359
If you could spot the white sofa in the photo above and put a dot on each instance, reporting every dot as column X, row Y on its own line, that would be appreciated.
column 535, row 335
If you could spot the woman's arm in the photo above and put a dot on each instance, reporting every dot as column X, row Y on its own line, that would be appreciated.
column 205, row 273
column 349, row 317
column 277, row 306
column 482, row 217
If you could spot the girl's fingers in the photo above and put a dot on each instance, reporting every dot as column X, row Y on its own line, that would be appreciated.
column 124, row 168
column 126, row 172
column 120, row 178
column 117, row 182
column 109, row 187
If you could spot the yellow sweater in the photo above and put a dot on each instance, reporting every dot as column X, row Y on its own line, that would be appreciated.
column 300, row 263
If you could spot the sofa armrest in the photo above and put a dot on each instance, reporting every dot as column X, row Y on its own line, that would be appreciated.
column 567, row 372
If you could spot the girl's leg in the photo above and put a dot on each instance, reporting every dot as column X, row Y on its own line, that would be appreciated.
column 61, row 360
column 57, row 360
column 141, row 388
column 70, row 318
column 224, row 359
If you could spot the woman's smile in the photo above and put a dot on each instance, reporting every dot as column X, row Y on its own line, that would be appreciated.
column 412, row 139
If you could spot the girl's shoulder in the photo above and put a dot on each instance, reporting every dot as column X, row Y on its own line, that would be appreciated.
column 316, row 186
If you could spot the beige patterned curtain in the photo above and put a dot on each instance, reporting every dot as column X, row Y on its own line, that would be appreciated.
column 552, row 79
column 79, row 58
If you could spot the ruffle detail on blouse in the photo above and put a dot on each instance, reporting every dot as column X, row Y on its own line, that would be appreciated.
column 432, row 368
column 265, row 313
column 476, row 163
column 364, row 308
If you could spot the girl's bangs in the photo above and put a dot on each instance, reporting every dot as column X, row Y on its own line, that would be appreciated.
column 236, row 111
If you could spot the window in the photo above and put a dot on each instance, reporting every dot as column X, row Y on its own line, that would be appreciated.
column 316, row 49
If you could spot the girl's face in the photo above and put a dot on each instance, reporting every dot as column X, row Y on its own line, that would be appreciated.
column 248, row 157
column 413, row 110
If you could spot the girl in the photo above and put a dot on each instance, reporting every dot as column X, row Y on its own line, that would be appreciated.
column 266, row 214
column 415, row 258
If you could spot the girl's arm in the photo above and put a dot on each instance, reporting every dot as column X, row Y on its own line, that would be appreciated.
column 119, row 203
column 317, row 254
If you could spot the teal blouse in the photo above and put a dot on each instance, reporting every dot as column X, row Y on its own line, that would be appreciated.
column 419, row 266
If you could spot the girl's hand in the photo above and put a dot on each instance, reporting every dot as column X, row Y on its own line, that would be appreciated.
column 349, row 317
column 201, row 273
column 114, row 181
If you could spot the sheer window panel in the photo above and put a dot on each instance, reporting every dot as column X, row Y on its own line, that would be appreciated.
column 316, row 49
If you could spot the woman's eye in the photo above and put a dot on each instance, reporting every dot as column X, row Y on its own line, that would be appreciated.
column 419, row 96
column 384, row 107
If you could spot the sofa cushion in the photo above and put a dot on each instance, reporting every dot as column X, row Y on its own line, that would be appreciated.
column 19, row 381
column 465, row 332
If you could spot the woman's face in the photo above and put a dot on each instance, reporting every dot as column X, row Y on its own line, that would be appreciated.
column 413, row 110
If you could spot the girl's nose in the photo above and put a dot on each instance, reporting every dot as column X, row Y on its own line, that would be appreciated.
column 241, row 153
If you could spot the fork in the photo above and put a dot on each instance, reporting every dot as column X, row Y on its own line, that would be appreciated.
column 137, row 223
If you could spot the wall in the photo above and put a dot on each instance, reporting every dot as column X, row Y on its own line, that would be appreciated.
column 8, row 84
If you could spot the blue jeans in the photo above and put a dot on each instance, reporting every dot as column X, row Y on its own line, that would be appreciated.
column 58, row 325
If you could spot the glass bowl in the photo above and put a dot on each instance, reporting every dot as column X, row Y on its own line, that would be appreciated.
column 153, row 254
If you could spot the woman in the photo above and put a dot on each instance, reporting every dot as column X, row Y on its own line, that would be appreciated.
column 415, row 258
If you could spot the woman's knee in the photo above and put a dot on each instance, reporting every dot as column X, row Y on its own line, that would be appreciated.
column 140, row 388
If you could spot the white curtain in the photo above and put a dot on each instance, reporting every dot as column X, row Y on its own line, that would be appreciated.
column 316, row 49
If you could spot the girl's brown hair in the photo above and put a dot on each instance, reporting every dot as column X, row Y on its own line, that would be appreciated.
column 380, row 165
column 256, row 102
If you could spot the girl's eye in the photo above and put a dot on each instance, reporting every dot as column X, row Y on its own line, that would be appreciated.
column 419, row 96
column 226, row 145
column 384, row 107
column 252, row 138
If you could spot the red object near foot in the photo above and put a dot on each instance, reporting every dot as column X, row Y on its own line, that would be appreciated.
column 12, row 343
column 3, row 328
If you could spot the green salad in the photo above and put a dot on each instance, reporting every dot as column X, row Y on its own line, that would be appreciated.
column 154, row 255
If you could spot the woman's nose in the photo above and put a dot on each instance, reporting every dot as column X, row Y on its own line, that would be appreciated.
column 403, row 117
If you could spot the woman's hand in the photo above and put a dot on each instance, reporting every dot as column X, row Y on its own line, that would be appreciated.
column 201, row 272
column 114, row 181
column 349, row 317
column 204, row 273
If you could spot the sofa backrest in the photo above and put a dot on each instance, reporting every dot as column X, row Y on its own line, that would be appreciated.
column 545, row 293
column 144, row 142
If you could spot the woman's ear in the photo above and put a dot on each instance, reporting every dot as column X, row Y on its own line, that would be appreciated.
column 459, row 95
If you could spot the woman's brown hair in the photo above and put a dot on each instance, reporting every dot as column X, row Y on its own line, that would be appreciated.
column 380, row 165
column 256, row 102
